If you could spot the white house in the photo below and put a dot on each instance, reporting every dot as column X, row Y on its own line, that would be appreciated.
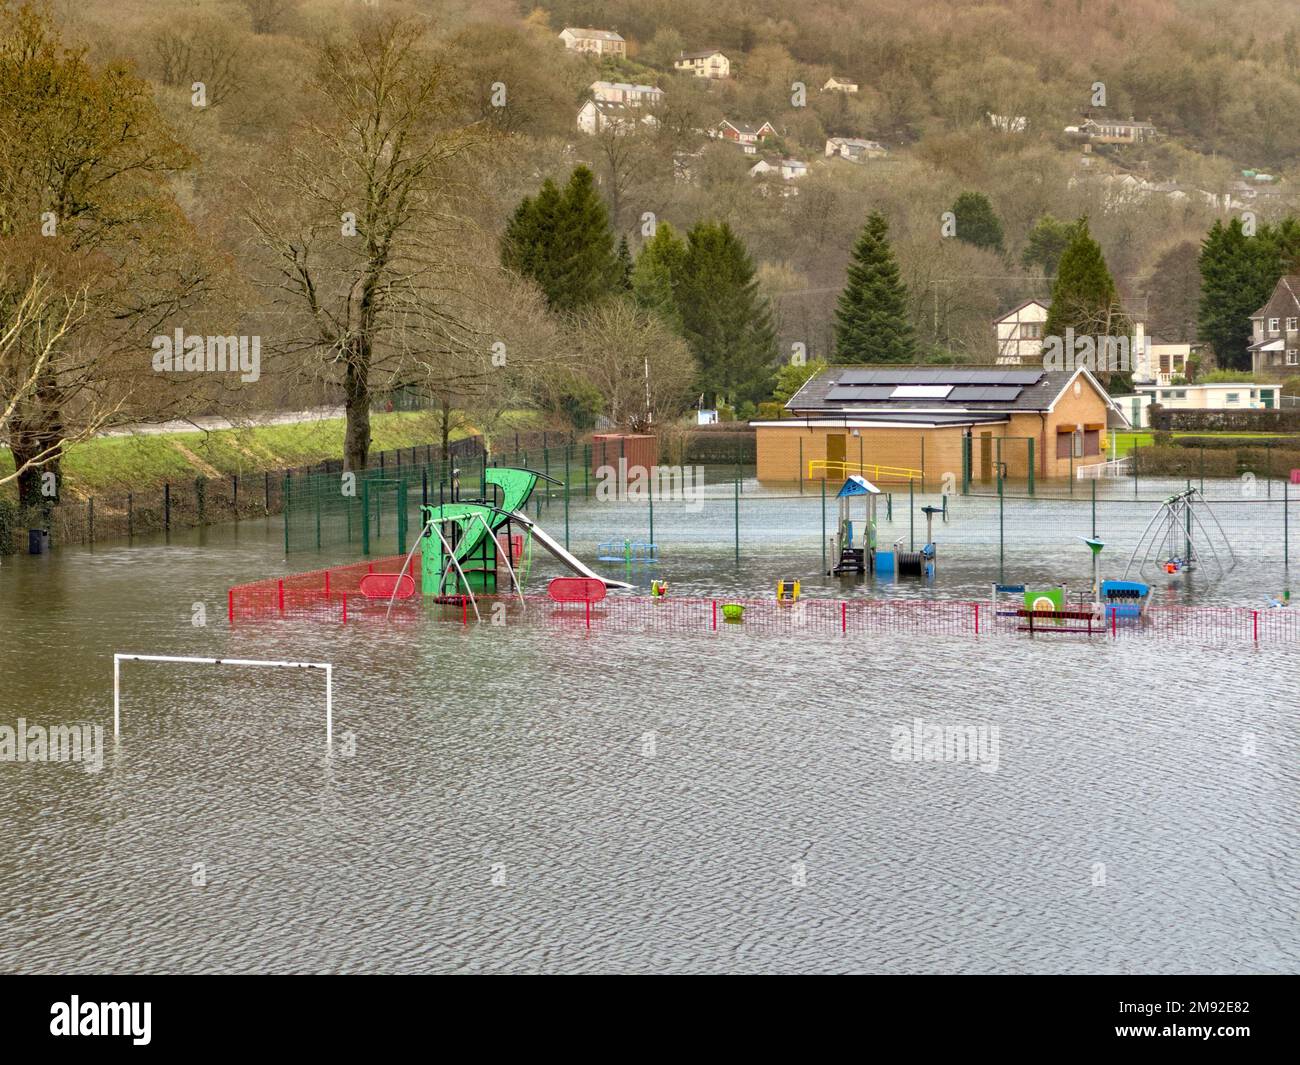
column 708, row 63
column 788, row 169
column 1115, row 131
column 1019, row 334
column 1156, row 361
column 854, row 149
column 597, row 42
column 597, row 115
column 1219, row 395
column 622, row 92
column 837, row 84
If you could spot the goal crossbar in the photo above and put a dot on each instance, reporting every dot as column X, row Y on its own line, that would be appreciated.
column 326, row 667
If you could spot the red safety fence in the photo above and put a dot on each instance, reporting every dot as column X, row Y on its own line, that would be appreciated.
column 334, row 595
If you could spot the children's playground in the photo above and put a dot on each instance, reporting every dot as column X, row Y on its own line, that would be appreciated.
column 855, row 556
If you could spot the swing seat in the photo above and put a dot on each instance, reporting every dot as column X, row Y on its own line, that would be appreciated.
column 381, row 585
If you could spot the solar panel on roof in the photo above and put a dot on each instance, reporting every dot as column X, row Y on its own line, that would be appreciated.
column 985, row 393
column 859, row 392
column 1025, row 377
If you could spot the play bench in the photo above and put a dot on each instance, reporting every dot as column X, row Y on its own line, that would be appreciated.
column 1095, row 624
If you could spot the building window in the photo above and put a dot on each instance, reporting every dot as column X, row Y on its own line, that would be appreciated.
column 1290, row 325
column 1291, row 357
column 1233, row 397
column 1031, row 330
column 1272, row 325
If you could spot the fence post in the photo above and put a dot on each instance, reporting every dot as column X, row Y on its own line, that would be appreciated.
column 130, row 516
column 801, row 465
column 1031, row 464
column 651, row 497
column 285, row 490
column 90, row 518
column 1202, row 469
column 1094, row 508
column 1286, row 506
column 911, row 515
column 824, row 570
column 1001, row 526
column 167, row 506
column 200, row 498
column 737, row 508
column 266, row 488
column 1133, row 455
column 566, row 495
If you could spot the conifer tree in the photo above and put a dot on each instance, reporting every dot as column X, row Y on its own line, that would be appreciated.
column 725, row 318
column 871, row 320
column 977, row 223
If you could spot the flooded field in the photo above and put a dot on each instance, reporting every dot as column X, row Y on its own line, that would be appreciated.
column 529, row 799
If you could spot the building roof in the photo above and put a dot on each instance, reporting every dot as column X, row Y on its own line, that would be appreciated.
column 595, row 35
column 745, row 127
column 1285, row 300
column 1020, row 307
column 624, row 86
column 702, row 54
column 955, row 394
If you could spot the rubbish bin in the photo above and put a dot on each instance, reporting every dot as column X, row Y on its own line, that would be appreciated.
column 38, row 541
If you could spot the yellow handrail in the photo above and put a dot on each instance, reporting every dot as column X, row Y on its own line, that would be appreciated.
column 871, row 471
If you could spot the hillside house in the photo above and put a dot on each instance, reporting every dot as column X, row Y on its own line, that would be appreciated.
column 786, row 169
column 854, row 149
column 1218, row 395
column 838, row 84
column 1275, row 330
column 596, row 116
column 707, row 63
column 594, row 42
column 1115, row 131
column 749, row 137
column 622, row 92
column 1008, row 123
column 1019, row 334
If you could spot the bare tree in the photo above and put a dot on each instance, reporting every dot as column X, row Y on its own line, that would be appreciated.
column 361, row 240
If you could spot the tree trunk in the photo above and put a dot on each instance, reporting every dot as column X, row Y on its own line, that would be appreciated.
column 356, row 401
column 445, row 442
column 37, row 428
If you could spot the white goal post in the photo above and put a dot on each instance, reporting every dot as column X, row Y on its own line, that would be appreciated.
column 328, row 668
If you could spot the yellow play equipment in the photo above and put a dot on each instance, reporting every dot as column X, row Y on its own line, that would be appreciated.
column 787, row 591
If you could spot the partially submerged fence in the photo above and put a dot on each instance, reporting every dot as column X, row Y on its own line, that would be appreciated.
column 333, row 596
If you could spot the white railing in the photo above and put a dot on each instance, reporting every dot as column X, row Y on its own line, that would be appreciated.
column 1101, row 471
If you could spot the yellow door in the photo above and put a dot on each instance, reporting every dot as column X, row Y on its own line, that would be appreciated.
column 835, row 444
column 986, row 456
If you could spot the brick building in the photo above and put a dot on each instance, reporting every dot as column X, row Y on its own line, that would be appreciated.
column 895, row 423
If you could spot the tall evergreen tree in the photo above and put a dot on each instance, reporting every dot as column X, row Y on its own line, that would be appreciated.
column 658, row 272
column 1084, row 297
column 976, row 221
column 562, row 240
column 1237, row 277
column 725, row 319
column 871, row 321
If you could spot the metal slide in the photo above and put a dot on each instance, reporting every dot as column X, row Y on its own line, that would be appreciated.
column 558, row 550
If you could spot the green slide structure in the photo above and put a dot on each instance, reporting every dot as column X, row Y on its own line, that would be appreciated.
column 460, row 544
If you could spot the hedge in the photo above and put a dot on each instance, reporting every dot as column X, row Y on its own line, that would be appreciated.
column 1250, row 420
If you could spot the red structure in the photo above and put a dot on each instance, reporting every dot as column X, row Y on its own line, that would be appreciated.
column 636, row 449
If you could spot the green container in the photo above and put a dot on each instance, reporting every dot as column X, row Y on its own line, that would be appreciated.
column 733, row 612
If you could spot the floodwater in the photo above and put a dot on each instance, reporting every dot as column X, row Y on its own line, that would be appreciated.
column 522, row 799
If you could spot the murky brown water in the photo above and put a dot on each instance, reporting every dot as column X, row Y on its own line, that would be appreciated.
column 524, row 799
